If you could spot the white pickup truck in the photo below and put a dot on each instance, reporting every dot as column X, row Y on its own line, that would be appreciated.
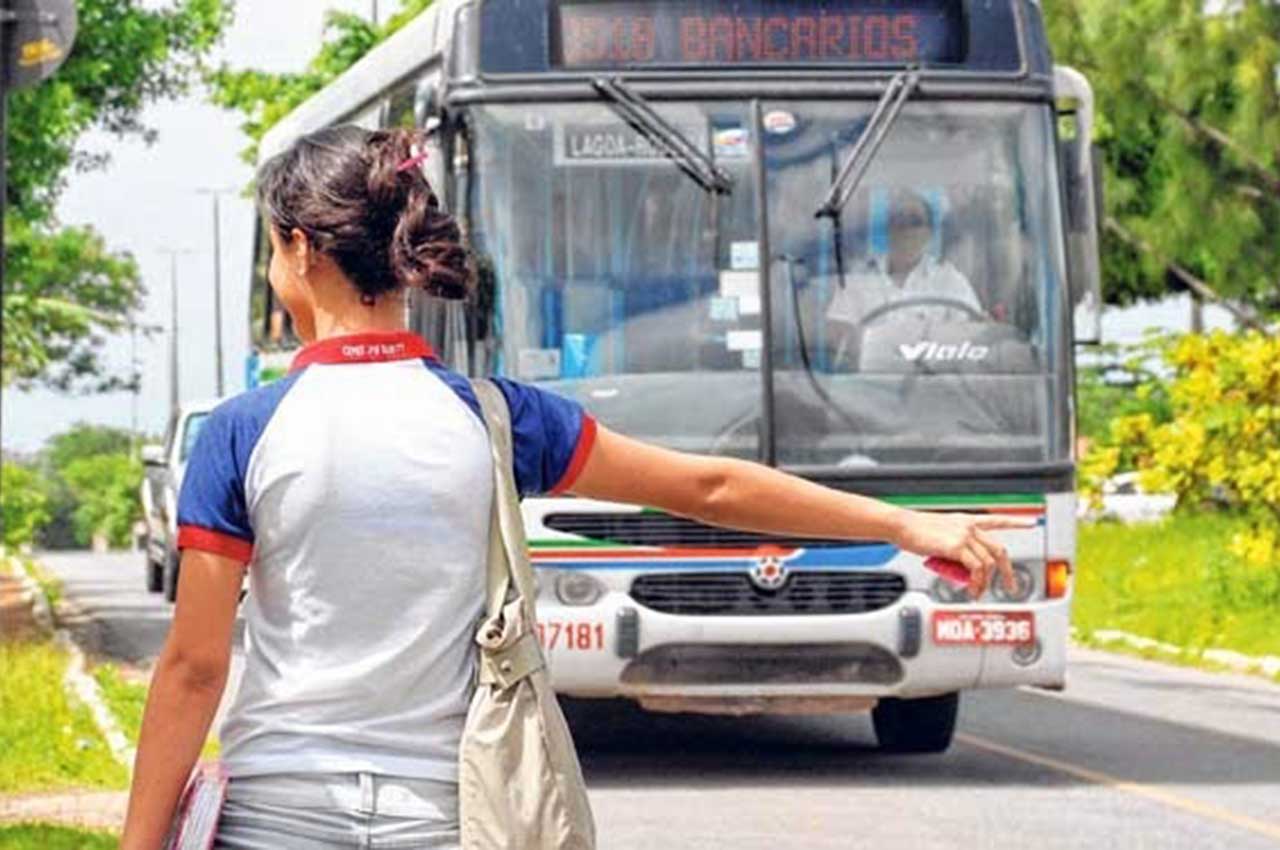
column 165, row 465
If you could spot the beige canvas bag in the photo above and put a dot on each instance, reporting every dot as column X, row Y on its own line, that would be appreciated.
column 519, row 783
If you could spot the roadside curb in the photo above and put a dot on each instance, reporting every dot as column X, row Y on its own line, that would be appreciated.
column 77, row 678
column 1236, row 662
column 32, row 595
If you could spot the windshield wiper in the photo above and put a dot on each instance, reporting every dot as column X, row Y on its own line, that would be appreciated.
column 640, row 115
column 900, row 88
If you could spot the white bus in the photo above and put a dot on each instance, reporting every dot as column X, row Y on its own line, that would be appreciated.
column 687, row 215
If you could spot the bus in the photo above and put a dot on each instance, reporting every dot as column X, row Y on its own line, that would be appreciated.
column 852, row 239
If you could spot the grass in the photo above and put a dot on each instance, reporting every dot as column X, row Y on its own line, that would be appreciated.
column 36, row 836
column 50, row 586
column 1175, row 582
column 128, row 699
column 47, row 741
column 125, row 699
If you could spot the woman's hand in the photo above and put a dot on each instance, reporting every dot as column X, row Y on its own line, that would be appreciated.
column 964, row 538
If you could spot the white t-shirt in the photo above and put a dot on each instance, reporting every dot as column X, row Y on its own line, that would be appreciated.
column 871, row 286
column 358, row 489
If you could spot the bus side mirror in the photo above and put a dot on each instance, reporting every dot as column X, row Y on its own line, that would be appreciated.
column 426, row 104
column 1082, row 185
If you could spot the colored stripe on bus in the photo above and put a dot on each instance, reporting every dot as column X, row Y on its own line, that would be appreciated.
column 854, row 557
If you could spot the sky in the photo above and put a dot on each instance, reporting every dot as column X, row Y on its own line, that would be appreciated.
column 147, row 201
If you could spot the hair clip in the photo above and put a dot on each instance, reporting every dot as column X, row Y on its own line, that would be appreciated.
column 412, row 162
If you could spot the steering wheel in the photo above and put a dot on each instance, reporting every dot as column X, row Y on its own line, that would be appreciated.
column 860, row 327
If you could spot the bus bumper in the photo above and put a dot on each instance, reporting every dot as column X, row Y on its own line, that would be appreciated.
column 788, row 664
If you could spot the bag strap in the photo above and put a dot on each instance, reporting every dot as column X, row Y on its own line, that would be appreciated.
column 508, row 560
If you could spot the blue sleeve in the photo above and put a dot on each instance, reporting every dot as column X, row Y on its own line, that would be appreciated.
column 212, row 513
column 551, row 438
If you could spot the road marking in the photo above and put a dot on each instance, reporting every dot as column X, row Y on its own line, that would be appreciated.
column 1186, row 804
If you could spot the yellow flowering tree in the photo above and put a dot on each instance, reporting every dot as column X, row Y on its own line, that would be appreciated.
column 1222, row 443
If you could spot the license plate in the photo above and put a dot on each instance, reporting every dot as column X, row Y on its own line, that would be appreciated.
column 983, row 628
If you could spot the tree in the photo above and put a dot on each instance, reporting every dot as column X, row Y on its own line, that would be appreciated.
column 64, row 288
column 22, row 504
column 1189, row 124
column 82, row 441
column 106, row 490
column 266, row 98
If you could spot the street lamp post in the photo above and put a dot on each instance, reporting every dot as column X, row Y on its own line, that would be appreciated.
column 174, row 395
column 217, row 281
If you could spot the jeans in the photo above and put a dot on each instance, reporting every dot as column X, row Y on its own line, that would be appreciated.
column 324, row 811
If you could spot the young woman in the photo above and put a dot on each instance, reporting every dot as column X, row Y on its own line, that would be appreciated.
column 359, row 489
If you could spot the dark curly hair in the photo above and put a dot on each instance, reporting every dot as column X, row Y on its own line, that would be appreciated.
column 344, row 187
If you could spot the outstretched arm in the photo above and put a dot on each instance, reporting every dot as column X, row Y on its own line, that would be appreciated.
column 749, row 496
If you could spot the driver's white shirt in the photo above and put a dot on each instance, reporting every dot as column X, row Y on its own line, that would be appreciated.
column 871, row 286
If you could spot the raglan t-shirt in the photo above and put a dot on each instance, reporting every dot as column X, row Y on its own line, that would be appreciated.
column 358, row 489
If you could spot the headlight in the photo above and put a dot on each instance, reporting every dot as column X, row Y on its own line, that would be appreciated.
column 948, row 593
column 1024, row 585
column 578, row 588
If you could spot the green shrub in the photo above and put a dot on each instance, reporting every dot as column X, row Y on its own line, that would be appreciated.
column 23, row 505
column 1220, row 447
column 106, row 490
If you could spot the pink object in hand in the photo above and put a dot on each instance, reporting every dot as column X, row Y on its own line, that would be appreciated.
column 196, row 822
column 953, row 571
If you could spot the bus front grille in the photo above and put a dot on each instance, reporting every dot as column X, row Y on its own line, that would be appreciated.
column 729, row 594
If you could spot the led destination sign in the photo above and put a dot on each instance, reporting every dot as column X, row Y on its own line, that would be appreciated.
column 607, row 34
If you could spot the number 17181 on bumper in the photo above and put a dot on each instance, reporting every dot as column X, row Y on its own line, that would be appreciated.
column 983, row 627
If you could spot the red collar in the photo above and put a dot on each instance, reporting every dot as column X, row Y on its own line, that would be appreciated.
column 372, row 347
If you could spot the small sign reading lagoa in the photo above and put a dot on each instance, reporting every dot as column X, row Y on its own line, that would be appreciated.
column 612, row 144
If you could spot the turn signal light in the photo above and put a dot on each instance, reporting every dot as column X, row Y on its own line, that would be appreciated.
column 1057, row 577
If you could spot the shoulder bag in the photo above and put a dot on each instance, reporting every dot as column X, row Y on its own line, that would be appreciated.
column 520, row 786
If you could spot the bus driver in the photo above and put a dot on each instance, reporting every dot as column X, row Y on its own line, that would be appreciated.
column 908, row 271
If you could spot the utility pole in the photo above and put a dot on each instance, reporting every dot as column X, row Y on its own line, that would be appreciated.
column 174, row 395
column 173, row 332
column 134, row 379
column 217, row 281
column 374, row 12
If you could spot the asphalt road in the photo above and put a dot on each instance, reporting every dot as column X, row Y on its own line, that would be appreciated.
column 1132, row 755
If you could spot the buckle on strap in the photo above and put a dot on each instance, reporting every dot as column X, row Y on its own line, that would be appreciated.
column 505, row 666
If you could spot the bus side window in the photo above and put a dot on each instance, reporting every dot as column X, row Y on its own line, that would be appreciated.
column 270, row 327
column 400, row 107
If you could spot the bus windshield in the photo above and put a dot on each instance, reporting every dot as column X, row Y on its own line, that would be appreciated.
column 921, row 324
column 619, row 282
